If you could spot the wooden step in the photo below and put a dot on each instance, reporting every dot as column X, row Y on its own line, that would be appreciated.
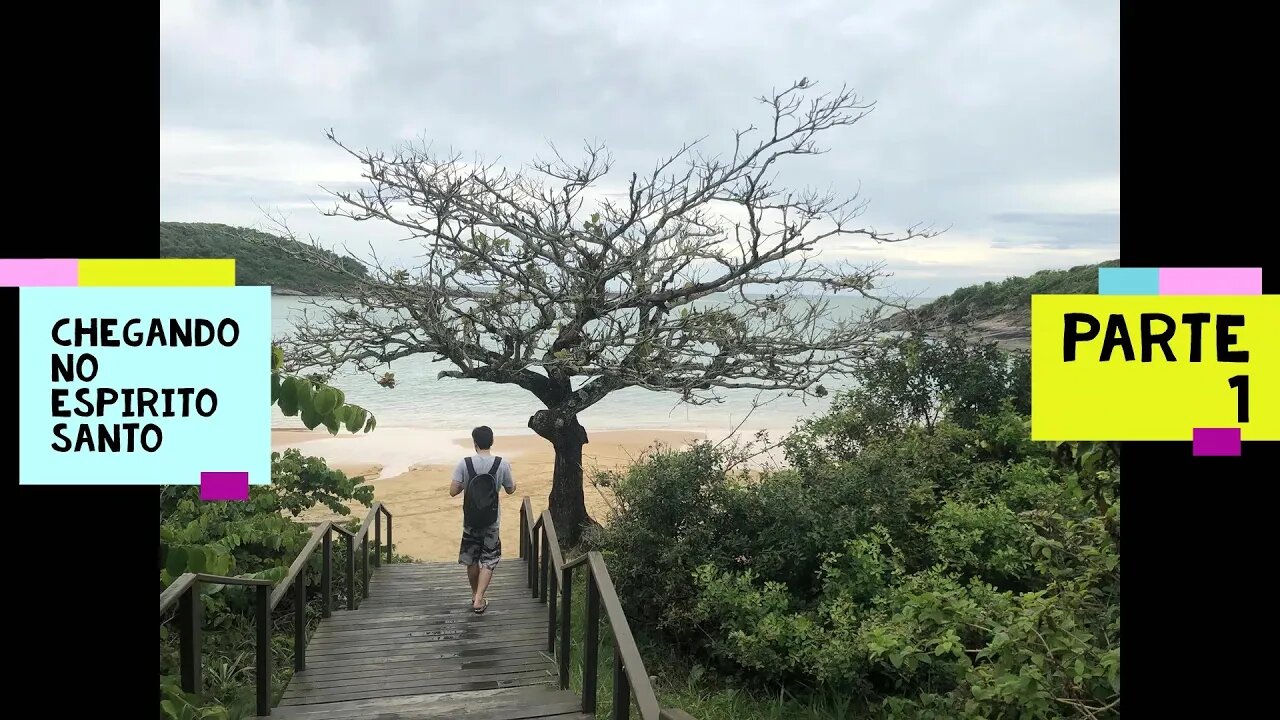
column 526, row 703
column 414, row 649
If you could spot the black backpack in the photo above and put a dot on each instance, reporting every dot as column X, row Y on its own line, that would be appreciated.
column 480, row 502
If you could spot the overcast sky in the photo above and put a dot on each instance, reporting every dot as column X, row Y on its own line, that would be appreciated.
column 1000, row 119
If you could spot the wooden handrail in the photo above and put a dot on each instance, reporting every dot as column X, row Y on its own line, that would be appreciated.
column 549, row 573
column 624, row 643
column 299, row 564
column 184, row 591
column 553, row 541
column 175, row 590
column 368, row 518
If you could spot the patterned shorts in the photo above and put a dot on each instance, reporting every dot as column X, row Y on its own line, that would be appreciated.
column 483, row 547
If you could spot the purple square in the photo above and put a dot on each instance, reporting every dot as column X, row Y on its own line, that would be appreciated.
column 1215, row 442
column 224, row 486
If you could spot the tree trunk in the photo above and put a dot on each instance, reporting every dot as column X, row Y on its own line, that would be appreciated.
column 567, row 500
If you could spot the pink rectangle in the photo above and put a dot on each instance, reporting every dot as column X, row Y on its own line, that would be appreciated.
column 39, row 272
column 1215, row 442
column 1210, row 281
column 224, row 486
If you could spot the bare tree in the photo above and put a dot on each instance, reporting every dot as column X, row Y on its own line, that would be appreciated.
column 703, row 276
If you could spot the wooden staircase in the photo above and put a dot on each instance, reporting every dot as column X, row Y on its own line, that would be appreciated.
column 409, row 647
column 415, row 650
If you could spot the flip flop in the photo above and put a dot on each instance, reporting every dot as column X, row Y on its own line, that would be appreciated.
column 480, row 610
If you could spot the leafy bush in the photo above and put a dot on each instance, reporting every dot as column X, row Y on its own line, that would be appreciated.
column 258, row 538
column 914, row 381
column 922, row 554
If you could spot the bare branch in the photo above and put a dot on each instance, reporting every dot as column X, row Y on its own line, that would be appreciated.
column 701, row 275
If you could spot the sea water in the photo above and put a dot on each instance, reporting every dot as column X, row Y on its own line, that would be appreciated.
column 440, row 407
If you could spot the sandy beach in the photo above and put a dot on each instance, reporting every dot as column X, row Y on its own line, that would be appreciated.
column 410, row 471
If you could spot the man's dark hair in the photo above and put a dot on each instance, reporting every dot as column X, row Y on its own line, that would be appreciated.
column 482, row 437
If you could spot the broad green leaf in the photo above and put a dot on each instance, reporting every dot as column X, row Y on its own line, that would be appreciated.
column 176, row 563
column 355, row 418
column 196, row 559
column 332, row 423
column 311, row 419
column 289, row 396
column 218, row 562
column 325, row 400
column 306, row 393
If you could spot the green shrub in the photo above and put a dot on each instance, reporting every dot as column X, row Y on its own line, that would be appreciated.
column 929, row 565
column 915, row 382
column 257, row 538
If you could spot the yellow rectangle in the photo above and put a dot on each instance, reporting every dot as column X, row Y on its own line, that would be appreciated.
column 163, row 272
column 1120, row 399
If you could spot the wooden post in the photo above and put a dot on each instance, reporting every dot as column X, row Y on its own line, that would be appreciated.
column 591, row 646
column 551, row 616
column 351, row 572
column 190, row 618
column 364, row 564
column 300, row 621
column 533, row 565
column 545, row 569
column 377, row 538
column 621, row 689
column 524, row 535
column 326, row 574
column 566, row 613
column 389, row 545
column 263, row 666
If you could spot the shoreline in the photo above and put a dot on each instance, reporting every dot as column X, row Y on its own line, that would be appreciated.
column 410, row 469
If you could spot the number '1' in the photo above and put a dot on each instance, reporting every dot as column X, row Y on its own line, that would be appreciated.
column 1241, row 384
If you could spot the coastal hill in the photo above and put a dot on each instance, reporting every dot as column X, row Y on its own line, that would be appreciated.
column 257, row 264
column 1000, row 311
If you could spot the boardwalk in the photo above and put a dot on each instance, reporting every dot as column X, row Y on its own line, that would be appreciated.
column 414, row 650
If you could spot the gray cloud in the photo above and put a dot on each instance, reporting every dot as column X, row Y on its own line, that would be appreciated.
column 1058, row 230
column 998, row 119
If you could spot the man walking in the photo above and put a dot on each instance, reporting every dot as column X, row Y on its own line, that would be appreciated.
column 479, row 476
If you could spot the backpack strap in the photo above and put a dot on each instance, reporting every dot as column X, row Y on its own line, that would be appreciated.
column 494, row 471
column 471, row 469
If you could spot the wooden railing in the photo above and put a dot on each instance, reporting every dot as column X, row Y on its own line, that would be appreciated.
column 550, row 579
column 185, row 591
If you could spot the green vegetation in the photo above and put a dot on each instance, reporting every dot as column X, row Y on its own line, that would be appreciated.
column 921, row 558
column 255, row 539
column 314, row 402
column 261, row 258
column 1011, row 298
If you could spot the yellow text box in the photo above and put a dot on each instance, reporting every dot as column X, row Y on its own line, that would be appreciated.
column 164, row 272
column 1120, row 399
